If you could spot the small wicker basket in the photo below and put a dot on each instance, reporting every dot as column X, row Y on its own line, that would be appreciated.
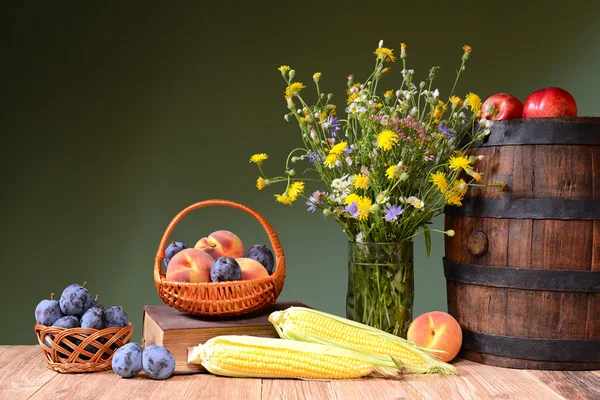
column 67, row 352
column 222, row 298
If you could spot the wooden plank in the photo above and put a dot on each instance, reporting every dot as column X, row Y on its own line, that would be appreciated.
column 142, row 387
column 442, row 387
column 77, row 386
column 518, row 310
column 212, row 387
column 25, row 374
column 9, row 353
column 504, row 383
column 371, row 389
column 295, row 389
column 563, row 172
column 522, row 172
column 562, row 244
column 573, row 385
column 482, row 308
column 519, row 243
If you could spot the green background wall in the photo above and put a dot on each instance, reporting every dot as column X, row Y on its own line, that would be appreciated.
column 116, row 118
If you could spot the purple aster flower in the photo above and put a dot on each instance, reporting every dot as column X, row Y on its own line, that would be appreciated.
column 446, row 131
column 392, row 212
column 352, row 209
column 332, row 125
column 313, row 201
column 349, row 150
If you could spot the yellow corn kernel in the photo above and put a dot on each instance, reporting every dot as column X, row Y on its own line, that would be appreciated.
column 248, row 356
column 304, row 324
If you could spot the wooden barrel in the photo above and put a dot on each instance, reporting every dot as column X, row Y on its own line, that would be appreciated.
column 523, row 269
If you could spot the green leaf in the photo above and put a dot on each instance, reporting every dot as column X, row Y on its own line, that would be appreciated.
column 427, row 240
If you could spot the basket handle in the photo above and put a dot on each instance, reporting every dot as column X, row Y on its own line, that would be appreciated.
column 277, row 249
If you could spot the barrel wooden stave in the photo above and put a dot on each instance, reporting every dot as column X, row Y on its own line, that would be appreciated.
column 530, row 172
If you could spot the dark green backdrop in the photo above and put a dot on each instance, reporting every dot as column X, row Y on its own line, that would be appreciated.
column 116, row 118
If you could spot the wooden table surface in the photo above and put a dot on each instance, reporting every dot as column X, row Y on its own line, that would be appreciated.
column 24, row 375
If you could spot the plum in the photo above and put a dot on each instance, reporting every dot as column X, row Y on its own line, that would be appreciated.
column 67, row 322
column 158, row 362
column 75, row 300
column 96, row 303
column 116, row 317
column 127, row 360
column 225, row 269
column 263, row 255
column 172, row 249
column 48, row 311
column 93, row 318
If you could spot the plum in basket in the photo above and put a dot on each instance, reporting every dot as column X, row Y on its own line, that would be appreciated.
column 116, row 317
column 264, row 255
column 225, row 269
column 172, row 249
column 48, row 311
column 75, row 300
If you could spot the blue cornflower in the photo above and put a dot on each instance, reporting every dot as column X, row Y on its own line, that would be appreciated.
column 314, row 158
column 392, row 212
column 349, row 150
column 352, row 209
column 332, row 125
column 446, row 131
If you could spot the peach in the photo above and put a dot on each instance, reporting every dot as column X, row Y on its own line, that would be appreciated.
column 190, row 265
column 439, row 331
column 221, row 243
column 252, row 269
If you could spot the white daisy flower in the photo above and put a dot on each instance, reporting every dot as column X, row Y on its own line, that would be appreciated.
column 349, row 160
column 360, row 237
column 382, row 198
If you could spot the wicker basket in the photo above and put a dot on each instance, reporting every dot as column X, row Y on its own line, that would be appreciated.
column 63, row 355
column 220, row 298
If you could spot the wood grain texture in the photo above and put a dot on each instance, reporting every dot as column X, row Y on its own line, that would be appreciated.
column 142, row 387
column 442, row 388
column 77, row 386
column 370, row 389
column 291, row 389
column 9, row 353
column 24, row 375
column 501, row 383
column 584, row 385
column 211, row 387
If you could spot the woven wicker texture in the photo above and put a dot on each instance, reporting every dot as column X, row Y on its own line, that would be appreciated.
column 65, row 349
column 220, row 298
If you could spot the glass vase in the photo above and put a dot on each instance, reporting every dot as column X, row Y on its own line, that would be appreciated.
column 381, row 285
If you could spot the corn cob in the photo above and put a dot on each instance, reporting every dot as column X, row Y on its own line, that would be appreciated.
column 307, row 325
column 249, row 356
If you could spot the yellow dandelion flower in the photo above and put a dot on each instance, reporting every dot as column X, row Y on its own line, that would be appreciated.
column 391, row 172
column 455, row 195
column 439, row 180
column 339, row 148
column 316, row 76
column 283, row 199
column 354, row 86
column 403, row 46
column 378, row 106
column 260, row 183
column 351, row 98
column 361, row 181
column 294, row 89
column 388, row 93
column 473, row 101
column 295, row 190
column 437, row 112
column 443, row 105
column 385, row 54
column 456, row 101
column 458, row 162
column 352, row 198
column 467, row 48
column 258, row 158
column 330, row 160
column 364, row 208
column 284, row 68
column 387, row 139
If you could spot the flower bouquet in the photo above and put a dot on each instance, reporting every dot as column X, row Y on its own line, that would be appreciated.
column 382, row 172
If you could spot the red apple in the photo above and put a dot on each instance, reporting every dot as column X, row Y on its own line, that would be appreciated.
column 502, row 106
column 550, row 102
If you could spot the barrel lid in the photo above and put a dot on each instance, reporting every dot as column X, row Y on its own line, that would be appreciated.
column 532, row 131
